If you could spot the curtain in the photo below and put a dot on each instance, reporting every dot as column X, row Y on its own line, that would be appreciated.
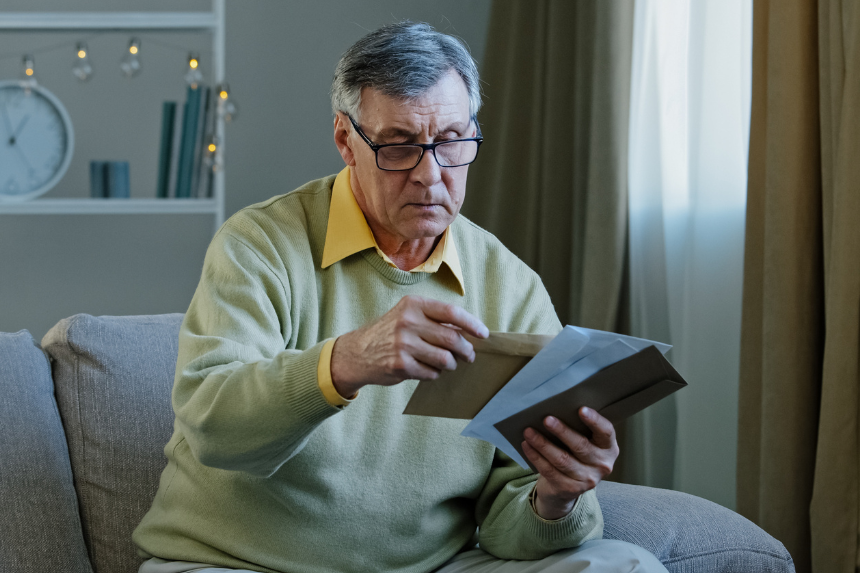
column 689, row 122
column 551, row 181
column 798, row 452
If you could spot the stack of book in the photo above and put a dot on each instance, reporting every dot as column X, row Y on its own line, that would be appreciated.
column 185, row 165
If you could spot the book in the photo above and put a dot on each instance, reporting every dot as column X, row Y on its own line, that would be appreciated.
column 175, row 146
column 186, row 153
column 168, row 112
column 199, row 142
column 205, row 182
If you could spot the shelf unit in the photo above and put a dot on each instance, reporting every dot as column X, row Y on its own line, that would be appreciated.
column 212, row 22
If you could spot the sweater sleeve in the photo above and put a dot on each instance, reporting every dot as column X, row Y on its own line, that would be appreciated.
column 510, row 529
column 243, row 401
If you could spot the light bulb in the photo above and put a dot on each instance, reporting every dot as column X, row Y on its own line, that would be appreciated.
column 28, row 73
column 130, row 63
column 193, row 76
column 227, row 106
column 82, row 68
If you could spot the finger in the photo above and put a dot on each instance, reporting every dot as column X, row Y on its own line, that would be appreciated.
column 451, row 314
column 602, row 430
column 449, row 339
column 577, row 444
column 556, row 478
column 560, row 458
column 432, row 356
column 417, row 370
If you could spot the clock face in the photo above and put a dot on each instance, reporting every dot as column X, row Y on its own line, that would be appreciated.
column 36, row 141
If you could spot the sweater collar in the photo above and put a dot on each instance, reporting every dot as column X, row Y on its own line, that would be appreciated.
column 348, row 233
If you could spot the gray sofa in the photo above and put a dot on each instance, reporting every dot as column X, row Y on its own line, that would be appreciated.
column 84, row 418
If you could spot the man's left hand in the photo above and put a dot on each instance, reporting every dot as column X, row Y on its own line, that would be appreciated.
column 566, row 474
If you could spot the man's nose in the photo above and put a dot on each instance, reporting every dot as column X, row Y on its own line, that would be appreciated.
column 427, row 171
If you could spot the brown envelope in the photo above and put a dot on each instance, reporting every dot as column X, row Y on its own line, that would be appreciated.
column 617, row 392
column 461, row 393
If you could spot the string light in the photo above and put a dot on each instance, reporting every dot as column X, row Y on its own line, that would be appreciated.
column 82, row 69
column 28, row 73
column 193, row 76
column 227, row 106
column 130, row 63
column 131, row 66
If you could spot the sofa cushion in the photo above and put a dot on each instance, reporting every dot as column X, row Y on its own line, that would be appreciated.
column 113, row 377
column 687, row 533
column 40, row 529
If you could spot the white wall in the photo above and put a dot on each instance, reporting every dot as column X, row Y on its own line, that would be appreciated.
column 280, row 59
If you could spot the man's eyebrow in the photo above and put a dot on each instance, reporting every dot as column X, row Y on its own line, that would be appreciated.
column 389, row 132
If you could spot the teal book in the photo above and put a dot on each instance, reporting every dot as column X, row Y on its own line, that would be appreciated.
column 186, row 152
column 168, row 113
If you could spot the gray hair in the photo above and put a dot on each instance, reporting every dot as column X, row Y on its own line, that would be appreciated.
column 402, row 60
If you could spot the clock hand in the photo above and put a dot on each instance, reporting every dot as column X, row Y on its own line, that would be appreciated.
column 21, row 126
column 8, row 125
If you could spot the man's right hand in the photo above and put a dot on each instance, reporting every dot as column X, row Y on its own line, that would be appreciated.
column 417, row 339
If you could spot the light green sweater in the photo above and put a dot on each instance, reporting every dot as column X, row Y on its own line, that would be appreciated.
column 264, row 474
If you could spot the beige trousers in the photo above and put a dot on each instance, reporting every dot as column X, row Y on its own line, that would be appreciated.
column 598, row 556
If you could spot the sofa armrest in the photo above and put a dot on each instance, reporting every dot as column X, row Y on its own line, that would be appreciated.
column 687, row 533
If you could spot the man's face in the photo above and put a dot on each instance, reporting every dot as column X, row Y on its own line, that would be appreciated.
column 422, row 202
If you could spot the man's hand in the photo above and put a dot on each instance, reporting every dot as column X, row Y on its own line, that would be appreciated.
column 417, row 339
column 566, row 474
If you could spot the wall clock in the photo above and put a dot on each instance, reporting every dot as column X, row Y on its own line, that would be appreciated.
column 36, row 140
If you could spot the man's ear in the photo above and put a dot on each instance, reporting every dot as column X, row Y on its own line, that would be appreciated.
column 342, row 129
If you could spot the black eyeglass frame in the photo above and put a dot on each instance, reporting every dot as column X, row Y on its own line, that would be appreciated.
column 479, row 139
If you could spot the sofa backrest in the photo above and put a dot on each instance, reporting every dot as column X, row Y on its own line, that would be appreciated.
column 39, row 525
column 113, row 377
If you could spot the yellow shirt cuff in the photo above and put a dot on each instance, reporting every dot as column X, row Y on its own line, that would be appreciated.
column 324, row 378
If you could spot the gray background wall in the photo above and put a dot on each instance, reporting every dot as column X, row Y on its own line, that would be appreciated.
column 280, row 58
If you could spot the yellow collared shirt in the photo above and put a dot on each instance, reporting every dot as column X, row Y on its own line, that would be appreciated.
column 348, row 233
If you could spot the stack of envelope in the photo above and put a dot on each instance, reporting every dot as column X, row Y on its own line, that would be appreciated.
column 518, row 379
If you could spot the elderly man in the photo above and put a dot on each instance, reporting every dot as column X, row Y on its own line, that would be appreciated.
column 316, row 313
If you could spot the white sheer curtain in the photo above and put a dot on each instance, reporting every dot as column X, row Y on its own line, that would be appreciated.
column 689, row 128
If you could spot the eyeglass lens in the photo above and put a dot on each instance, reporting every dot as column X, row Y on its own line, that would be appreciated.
column 452, row 154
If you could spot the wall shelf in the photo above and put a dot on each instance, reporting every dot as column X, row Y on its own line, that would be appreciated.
column 207, row 22
column 107, row 21
column 89, row 206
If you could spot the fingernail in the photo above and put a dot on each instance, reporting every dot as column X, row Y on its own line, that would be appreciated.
column 529, row 433
column 586, row 411
column 552, row 421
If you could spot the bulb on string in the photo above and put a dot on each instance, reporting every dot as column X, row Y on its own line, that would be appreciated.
column 28, row 73
column 130, row 62
column 193, row 76
column 210, row 156
column 227, row 106
column 82, row 67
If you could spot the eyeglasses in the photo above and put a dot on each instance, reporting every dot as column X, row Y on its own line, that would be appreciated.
column 406, row 156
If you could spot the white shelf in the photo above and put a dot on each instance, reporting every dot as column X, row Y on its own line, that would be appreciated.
column 107, row 21
column 209, row 22
column 88, row 206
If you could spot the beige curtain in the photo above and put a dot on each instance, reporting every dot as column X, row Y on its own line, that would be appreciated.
column 798, row 458
column 551, row 181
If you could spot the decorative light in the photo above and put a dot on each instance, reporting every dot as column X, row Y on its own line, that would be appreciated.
column 227, row 106
column 193, row 76
column 28, row 69
column 28, row 73
column 130, row 63
column 82, row 68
